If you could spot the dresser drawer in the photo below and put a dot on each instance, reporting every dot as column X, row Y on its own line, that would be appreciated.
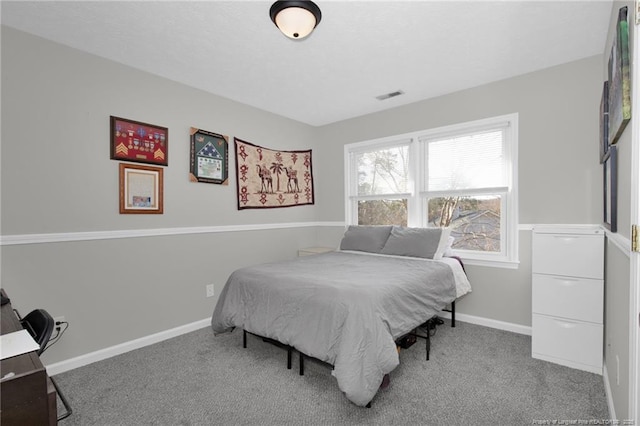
column 579, row 255
column 563, row 340
column 568, row 297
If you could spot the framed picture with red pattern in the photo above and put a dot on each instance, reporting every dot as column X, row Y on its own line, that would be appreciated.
column 139, row 142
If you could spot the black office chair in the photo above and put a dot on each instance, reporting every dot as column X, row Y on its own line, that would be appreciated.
column 40, row 325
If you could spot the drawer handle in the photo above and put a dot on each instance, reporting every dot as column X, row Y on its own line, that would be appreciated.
column 566, row 281
column 565, row 324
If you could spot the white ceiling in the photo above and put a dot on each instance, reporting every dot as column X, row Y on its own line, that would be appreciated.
column 360, row 50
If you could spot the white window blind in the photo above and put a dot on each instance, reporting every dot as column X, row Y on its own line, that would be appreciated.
column 470, row 161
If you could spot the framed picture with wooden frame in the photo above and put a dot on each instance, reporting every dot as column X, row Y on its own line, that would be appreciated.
column 141, row 189
column 139, row 142
column 610, row 189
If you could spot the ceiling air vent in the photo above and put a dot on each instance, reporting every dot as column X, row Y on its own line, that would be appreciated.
column 390, row 95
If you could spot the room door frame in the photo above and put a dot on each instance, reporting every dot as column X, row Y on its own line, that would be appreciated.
column 634, row 273
column 634, row 257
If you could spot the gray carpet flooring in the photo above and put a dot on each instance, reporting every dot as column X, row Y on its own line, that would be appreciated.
column 476, row 375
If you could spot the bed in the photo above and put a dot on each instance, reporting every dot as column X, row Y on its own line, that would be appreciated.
column 348, row 307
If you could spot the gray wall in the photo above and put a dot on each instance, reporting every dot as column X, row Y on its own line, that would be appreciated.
column 57, row 173
column 617, row 332
column 624, row 143
column 559, row 170
column 617, row 263
column 57, row 178
column 118, row 290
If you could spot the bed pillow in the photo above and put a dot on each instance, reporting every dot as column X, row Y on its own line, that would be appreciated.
column 448, row 248
column 365, row 238
column 428, row 243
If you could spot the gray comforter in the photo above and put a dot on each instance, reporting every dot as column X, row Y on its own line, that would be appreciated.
column 344, row 308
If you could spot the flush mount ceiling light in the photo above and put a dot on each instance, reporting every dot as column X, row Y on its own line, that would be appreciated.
column 296, row 19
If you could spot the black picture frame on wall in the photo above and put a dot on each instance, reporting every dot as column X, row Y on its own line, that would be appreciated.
column 209, row 157
column 604, row 121
column 610, row 189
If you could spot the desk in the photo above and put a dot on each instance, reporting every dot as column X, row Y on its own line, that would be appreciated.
column 27, row 398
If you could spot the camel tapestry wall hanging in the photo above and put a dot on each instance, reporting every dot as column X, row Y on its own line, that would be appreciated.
column 268, row 178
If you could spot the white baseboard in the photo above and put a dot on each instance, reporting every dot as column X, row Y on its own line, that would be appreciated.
column 70, row 364
column 491, row 323
column 607, row 390
column 82, row 360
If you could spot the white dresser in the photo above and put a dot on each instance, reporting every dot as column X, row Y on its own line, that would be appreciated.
column 568, row 296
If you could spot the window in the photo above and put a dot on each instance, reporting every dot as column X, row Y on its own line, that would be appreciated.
column 380, row 185
column 461, row 176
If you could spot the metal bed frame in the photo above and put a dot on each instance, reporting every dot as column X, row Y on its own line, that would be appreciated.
column 302, row 356
column 414, row 332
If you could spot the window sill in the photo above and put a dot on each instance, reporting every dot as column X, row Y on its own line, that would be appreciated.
column 505, row 264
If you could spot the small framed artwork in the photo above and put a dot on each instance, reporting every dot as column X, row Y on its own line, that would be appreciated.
column 619, row 79
column 610, row 186
column 209, row 157
column 604, row 121
column 139, row 142
column 141, row 189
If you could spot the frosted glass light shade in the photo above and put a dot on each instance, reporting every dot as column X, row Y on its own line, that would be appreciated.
column 296, row 22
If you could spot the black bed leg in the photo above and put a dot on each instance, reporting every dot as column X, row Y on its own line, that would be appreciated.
column 244, row 338
column 428, row 343
column 289, row 352
column 453, row 313
column 301, row 363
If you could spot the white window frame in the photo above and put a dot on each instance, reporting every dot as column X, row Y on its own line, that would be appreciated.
column 418, row 195
column 351, row 175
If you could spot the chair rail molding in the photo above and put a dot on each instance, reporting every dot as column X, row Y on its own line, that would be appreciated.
column 9, row 240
